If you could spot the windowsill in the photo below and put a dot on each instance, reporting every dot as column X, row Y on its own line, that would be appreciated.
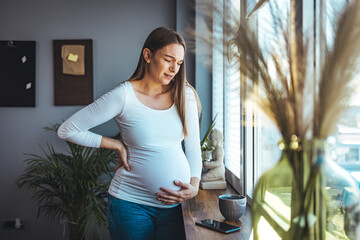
column 205, row 205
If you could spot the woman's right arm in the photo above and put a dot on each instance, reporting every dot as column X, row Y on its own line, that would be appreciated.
column 76, row 128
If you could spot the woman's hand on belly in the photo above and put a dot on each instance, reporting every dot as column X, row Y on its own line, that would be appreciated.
column 187, row 191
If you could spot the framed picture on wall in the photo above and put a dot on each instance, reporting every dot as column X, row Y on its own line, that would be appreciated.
column 73, row 72
column 17, row 73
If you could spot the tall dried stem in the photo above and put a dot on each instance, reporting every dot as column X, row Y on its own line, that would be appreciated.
column 340, row 72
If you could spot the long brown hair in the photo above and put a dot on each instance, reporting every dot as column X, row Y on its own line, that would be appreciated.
column 157, row 39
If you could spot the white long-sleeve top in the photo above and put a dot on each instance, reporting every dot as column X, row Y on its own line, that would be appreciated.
column 153, row 138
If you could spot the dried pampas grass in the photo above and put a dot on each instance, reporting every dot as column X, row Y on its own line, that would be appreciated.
column 340, row 73
column 276, row 77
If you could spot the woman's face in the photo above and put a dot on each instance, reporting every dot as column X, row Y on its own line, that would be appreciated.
column 165, row 63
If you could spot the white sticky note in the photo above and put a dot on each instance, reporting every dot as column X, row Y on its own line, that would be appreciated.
column 28, row 86
column 23, row 59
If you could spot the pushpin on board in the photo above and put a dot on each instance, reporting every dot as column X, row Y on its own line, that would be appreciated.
column 72, row 57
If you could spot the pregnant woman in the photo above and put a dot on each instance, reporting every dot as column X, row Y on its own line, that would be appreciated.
column 156, row 109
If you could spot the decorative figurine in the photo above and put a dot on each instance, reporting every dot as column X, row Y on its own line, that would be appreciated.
column 214, row 175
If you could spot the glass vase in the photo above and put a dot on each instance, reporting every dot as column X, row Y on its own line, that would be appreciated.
column 306, row 196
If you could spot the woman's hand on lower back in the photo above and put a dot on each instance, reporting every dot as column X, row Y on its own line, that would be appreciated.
column 120, row 149
column 122, row 157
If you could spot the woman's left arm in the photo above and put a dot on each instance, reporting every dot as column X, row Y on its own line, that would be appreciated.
column 193, row 155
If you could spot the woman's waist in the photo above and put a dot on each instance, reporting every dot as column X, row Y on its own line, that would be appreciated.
column 155, row 152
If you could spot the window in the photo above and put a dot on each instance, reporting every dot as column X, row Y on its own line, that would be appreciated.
column 226, row 96
column 266, row 135
column 346, row 140
column 250, row 139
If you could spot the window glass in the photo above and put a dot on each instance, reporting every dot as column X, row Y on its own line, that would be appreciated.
column 226, row 100
column 232, row 102
column 218, row 68
column 266, row 135
column 250, row 138
column 346, row 141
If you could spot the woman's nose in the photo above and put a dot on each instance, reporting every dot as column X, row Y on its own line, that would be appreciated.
column 174, row 67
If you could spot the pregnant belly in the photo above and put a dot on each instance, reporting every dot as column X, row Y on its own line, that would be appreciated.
column 152, row 170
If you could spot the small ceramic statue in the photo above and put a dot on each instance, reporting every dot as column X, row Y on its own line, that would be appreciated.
column 214, row 175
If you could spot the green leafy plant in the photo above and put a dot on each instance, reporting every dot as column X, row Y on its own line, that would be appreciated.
column 71, row 187
column 205, row 143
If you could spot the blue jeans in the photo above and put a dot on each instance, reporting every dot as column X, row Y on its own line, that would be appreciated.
column 132, row 221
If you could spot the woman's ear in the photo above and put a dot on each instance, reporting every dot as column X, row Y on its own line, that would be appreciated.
column 147, row 55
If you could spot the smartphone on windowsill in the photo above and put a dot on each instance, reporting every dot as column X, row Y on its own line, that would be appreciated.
column 217, row 226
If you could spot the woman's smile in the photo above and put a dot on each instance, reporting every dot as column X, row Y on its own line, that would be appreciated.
column 169, row 76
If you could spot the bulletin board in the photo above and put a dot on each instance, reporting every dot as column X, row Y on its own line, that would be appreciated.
column 17, row 73
column 73, row 72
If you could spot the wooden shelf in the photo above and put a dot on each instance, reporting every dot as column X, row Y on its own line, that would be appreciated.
column 205, row 205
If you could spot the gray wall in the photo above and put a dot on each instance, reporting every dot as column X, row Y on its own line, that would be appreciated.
column 198, row 73
column 118, row 29
column 203, row 74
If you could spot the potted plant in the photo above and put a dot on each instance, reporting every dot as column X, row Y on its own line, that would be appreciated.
column 207, row 147
column 71, row 188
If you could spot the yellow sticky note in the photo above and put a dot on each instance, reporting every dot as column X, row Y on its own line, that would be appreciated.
column 72, row 57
